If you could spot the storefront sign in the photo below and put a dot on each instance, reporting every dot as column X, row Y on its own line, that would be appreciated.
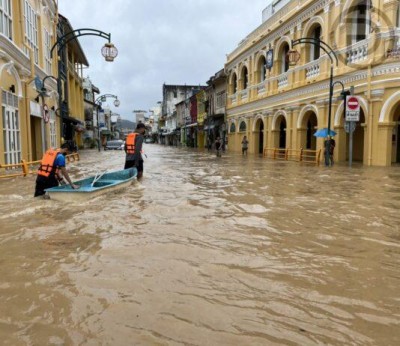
column 35, row 109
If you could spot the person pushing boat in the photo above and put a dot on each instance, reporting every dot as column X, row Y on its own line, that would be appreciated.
column 52, row 169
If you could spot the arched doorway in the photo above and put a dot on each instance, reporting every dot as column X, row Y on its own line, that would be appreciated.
column 281, row 122
column 314, row 51
column 244, row 78
column 284, row 62
column 311, row 140
column 396, row 136
column 259, row 137
column 309, row 126
column 261, row 69
column 358, row 140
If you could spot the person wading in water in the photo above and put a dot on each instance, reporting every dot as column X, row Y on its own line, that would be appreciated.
column 52, row 169
column 133, row 149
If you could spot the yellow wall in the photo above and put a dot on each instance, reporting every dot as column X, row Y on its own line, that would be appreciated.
column 302, row 93
column 19, row 70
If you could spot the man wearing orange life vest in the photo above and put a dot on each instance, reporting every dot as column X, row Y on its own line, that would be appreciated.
column 52, row 169
column 133, row 149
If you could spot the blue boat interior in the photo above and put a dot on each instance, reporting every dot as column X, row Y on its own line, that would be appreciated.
column 99, row 181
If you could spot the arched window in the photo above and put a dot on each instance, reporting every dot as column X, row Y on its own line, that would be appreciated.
column 361, row 21
column 315, row 50
column 234, row 84
column 262, row 68
column 245, row 78
column 232, row 128
column 284, row 60
column 242, row 127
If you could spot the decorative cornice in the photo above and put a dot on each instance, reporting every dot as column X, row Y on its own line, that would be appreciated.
column 377, row 92
column 14, row 53
column 316, row 90
column 243, row 51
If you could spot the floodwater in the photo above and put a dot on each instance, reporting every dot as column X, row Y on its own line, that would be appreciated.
column 205, row 251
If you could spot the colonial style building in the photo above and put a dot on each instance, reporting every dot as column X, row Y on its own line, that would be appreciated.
column 90, row 92
column 27, row 114
column 172, row 95
column 215, row 122
column 282, row 106
column 71, row 61
column 41, row 86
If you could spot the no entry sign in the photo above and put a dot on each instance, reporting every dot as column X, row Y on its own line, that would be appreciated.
column 352, row 108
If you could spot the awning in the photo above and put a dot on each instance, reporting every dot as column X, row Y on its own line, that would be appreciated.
column 73, row 120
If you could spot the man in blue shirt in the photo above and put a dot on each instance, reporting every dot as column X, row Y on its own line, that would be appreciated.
column 52, row 169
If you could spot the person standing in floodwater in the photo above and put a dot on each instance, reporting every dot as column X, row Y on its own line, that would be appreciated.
column 329, row 148
column 218, row 146
column 133, row 149
column 245, row 145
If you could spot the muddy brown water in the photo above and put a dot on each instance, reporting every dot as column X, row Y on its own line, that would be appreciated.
column 205, row 251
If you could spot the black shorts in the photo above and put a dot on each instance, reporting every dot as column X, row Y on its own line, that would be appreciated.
column 43, row 183
column 130, row 164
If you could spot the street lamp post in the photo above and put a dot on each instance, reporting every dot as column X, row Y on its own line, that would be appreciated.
column 332, row 56
column 109, row 52
column 98, row 101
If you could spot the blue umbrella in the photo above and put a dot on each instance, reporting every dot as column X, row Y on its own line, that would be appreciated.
column 324, row 133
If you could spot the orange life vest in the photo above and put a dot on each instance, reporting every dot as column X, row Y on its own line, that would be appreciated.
column 47, row 164
column 130, row 143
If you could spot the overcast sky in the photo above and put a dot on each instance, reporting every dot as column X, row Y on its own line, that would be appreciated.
column 159, row 41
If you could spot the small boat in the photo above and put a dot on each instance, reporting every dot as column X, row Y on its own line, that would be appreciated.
column 94, row 186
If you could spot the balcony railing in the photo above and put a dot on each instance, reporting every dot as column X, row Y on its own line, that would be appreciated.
column 261, row 88
column 312, row 69
column 244, row 94
column 393, row 53
column 357, row 52
column 283, row 80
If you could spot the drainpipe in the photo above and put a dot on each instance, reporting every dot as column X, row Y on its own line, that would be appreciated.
column 370, row 116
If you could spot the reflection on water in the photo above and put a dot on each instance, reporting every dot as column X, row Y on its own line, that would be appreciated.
column 205, row 250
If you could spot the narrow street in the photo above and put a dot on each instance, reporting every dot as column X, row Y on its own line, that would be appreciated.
column 205, row 251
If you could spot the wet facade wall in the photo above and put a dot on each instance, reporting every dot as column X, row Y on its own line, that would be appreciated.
column 283, row 106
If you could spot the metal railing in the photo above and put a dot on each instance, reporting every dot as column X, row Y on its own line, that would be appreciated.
column 298, row 155
column 27, row 167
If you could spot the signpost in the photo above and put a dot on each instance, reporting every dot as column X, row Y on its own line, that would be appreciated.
column 352, row 116
column 352, row 108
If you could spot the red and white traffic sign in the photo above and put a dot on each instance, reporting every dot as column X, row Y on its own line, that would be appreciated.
column 352, row 108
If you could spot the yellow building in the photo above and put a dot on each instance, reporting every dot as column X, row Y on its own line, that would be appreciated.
column 31, row 118
column 201, row 115
column 283, row 106
column 71, row 62
column 27, row 31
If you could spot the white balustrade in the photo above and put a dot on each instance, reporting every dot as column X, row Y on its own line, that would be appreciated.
column 312, row 70
column 233, row 98
column 357, row 53
column 283, row 80
column 244, row 94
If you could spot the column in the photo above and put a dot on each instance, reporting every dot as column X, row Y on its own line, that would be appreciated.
column 385, row 148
